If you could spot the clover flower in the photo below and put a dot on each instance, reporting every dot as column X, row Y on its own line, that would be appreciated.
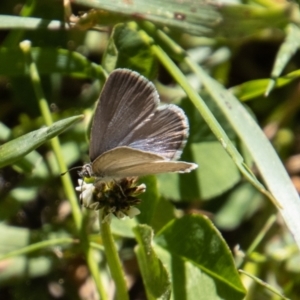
column 115, row 197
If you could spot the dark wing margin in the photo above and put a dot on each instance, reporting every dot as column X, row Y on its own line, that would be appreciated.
column 127, row 101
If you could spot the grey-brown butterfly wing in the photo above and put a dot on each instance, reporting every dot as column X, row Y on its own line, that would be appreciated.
column 126, row 162
column 127, row 115
column 127, row 101
column 165, row 134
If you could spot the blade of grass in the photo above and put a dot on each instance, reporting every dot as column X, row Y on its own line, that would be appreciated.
column 16, row 149
column 267, row 160
column 199, row 102
column 38, row 246
column 286, row 51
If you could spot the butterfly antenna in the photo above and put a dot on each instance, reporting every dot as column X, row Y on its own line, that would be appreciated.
column 62, row 174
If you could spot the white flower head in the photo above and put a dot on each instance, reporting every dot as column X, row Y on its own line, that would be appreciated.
column 87, row 191
column 113, row 197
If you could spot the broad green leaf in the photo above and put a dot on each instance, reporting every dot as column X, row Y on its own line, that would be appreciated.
column 260, row 148
column 211, row 180
column 217, row 172
column 150, row 200
column 17, row 148
column 127, row 49
column 123, row 228
column 164, row 213
column 155, row 277
column 239, row 205
column 192, row 245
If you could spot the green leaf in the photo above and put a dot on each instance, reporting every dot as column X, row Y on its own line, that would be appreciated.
column 17, row 148
column 150, row 200
column 123, row 228
column 255, row 88
column 196, row 248
column 155, row 276
column 240, row 204
column 214, row 181
column 211, row 181
column 127, row 49
column 164, row 213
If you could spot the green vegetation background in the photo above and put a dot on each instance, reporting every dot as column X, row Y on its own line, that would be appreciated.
column 195, row 230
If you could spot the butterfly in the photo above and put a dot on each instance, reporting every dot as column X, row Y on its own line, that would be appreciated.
column 131, row 134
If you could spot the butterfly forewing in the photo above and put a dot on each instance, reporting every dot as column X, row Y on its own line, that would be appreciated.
column 127, row 101
column 125, row 162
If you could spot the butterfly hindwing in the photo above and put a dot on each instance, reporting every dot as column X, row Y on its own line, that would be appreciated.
column 125, row 162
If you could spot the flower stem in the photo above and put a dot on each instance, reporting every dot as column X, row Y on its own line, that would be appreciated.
column 45, row 111
column 66, row 179
column 113, row 260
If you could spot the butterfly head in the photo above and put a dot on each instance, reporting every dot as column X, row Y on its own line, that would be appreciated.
column 86, row 171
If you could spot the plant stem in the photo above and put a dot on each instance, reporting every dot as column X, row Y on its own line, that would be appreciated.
column 44, row 108
column 66, row 179
column 270, row 222
column 113, row 260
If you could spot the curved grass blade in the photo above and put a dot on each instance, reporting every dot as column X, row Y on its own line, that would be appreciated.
column 255, row 88
column 263, row 153
column 286, row 51
column 19, row 147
